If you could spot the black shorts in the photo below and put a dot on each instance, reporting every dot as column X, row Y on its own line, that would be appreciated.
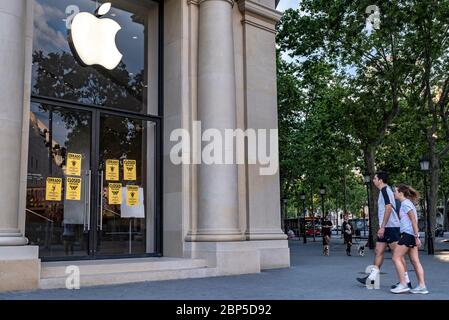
column 407, row 240
column 326, row 239
column 347, row 237
column 390, row 235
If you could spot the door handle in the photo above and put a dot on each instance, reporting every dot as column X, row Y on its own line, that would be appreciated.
column 87, row 201
column 100, row 225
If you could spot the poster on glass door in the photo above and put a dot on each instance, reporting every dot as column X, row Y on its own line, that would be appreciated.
column 73, row 165
column 53, row 189
column 112, row 170
column 75, row 207
column 114, row 193
column 129, row 170
column 73, row 189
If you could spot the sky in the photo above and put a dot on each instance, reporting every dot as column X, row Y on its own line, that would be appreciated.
column 286, row 4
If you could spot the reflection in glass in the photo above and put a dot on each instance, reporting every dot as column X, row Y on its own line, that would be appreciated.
column 56, row 73
column 57, row 227
column 123, row 229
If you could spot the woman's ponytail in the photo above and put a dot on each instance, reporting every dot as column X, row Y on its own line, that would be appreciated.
column 408, row 192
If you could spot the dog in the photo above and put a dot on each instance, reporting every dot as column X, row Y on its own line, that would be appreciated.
column 326, row 241
column 361, row 250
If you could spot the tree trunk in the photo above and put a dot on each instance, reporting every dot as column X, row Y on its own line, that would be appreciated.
column 445, row 211
column 369, row 160
column 433, row 189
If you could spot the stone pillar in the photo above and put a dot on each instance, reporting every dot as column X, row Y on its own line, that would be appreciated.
column 217, row 236
column 263, row 191
column 19, row 264
column 12, row 70
column 217, row 183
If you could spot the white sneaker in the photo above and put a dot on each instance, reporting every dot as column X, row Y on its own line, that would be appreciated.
column 400, row 288
column 419, row 289
column 409, row 284
column 373, row 274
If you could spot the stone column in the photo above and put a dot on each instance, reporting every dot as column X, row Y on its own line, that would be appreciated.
column 263, row 192
column 19, row 264
column 217, row 183
column 217, row 236
column 12, row 70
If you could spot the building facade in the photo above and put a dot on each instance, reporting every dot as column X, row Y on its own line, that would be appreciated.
column 87, row 155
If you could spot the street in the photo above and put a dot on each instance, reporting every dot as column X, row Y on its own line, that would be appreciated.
column 311, row 276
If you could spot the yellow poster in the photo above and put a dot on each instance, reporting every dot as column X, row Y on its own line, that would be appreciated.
column 132, row 195
column 129, row 169
column 53, row 189
column 73, row 190
column 73, row 167
column 112, row 170
column 115, row 193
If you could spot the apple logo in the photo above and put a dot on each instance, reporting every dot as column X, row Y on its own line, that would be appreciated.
column 92, row 38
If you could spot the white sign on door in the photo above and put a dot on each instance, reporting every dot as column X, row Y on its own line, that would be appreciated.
column 132, row 211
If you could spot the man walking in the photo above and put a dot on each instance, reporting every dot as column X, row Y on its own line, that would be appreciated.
column 326, row 232
column 389, row 226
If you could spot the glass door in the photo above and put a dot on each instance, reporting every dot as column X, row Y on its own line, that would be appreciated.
column 58, row 203
column 125, row 222
column 91, row 183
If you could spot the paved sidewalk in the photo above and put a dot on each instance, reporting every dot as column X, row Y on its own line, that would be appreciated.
column 312, row 276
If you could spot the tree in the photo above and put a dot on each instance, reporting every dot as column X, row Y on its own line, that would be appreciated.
column 313, row 148
column 374, row 64
column 431, row 92
column 404, row 64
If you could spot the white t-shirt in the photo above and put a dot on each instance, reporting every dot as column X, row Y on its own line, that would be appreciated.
column 406, row 222
column 386, row 197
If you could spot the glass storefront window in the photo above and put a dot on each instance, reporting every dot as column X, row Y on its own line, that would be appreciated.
column 77, row 210
column 58, row 74
column 57, row 227
column 78, row 217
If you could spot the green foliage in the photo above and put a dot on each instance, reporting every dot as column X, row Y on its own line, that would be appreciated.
column 357, row 92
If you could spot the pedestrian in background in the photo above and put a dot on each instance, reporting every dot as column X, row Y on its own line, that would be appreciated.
column 347, row 234
column 326, row 231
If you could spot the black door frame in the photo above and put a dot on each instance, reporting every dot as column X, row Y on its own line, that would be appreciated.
column 96, row 112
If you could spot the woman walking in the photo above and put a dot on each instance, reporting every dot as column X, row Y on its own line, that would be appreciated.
column 409, row 241
column 347, row 234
